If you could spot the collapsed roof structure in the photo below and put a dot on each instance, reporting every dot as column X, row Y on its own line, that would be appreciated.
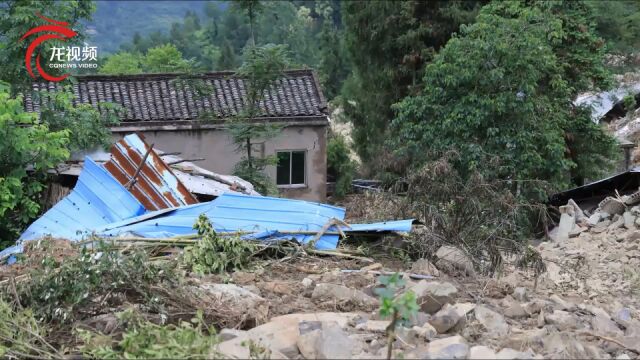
column 135, row 193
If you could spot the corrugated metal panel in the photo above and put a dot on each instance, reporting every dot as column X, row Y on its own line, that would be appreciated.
column 96, row 200
column 231, row 212
column 155, row 185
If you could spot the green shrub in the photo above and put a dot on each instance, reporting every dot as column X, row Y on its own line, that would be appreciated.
column 217, row 254
column 26, row 142
column 398, row 307
column 21, row 334
column 146, row 340
column 56, row 291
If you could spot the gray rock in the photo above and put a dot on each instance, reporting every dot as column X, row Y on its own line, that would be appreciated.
column 629, row 220
column 520, row 293
column 228, row 334
column 452, row 256
column 481, row 352
column 329, row 342
column 561, row 304
column 491, row 320
column 562, row 320
column 445, row 319
column 515, row 311
column 431, row 296
column 424, row 267
column 617, row 222
column 426, row 331
column 307, row 283
column 327, row 291
column 604, row 326
column 374, row 326
column 511, row 354
column 623, row 317
column 454, row 347
column 566, row 224
column 525, row 339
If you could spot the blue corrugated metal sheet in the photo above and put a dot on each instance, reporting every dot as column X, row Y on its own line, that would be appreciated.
column 233, row 212
column 99, row 204
column 96, row 200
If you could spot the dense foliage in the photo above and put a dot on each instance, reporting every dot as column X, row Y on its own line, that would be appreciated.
column 389, row 44
column 28, row 149
column 504, row 87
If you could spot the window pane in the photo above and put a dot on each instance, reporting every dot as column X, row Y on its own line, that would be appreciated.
column 297, row 167
column 284, row 168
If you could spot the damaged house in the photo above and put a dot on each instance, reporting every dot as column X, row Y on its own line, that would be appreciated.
column 178, row 119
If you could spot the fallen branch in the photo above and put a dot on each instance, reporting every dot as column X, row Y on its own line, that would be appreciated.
column 338, row 254
column 375, row 272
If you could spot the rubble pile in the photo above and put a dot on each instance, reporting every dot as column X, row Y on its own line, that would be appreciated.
column 334, row 314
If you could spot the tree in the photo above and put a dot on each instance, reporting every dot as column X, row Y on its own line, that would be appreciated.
column 389, row 43
column 227, row 59
column 504, row 88
column 251, row 8
column 333, row 66
column 27, row 143
column 165, row 58
column 122, row 63
column 261, row 68
column 19, row 16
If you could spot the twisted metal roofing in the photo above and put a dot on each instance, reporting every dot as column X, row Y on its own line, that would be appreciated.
column 151, row 182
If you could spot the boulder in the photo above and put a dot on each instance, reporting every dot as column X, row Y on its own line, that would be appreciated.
column 432, row 295
column 515, row 311
column 445, row 319
column 562, row 320
column 454, row 257
column 525, row 338
column 424, row 267
column 603, row 325
column 342, row 293
column 492, row 321
column 454, row 347
column 426, row 331
column 566, row 224
column 561, row 304
column 327, row 342
column 481, row 352
column 281, row 333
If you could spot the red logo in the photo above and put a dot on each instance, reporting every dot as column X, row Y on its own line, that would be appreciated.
column 60, row 30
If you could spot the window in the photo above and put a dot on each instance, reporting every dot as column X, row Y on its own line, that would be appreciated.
column 291, row 168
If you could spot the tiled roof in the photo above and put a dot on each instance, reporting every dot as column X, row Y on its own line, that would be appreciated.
column 164, row 97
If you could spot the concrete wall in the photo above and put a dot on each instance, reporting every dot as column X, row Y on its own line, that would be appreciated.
column 216, row 146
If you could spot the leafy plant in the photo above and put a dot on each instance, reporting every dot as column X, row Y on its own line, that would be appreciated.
column 56, row 291
column 144, row 339
column 26, row 144
column 21, row 335
column 399, row 307
column 491, row 93
column 87, row 126
column 216, row 254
